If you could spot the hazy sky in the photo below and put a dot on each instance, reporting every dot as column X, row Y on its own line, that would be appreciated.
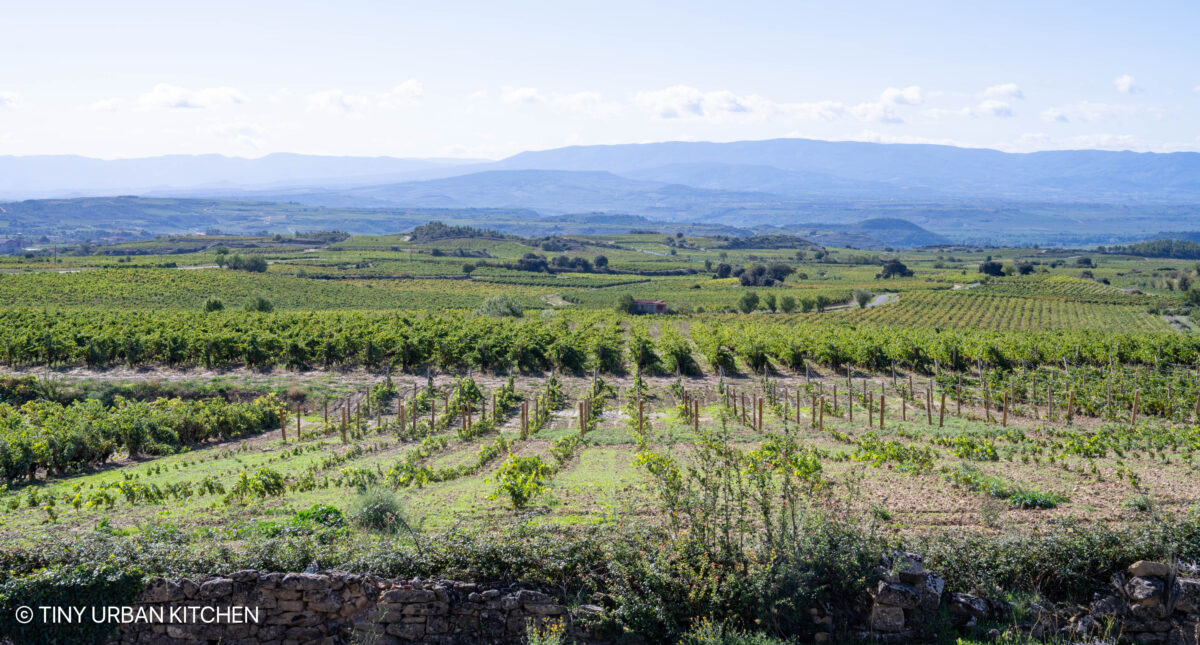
column 487, row 79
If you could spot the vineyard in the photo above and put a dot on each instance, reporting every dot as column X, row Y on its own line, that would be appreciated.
column 456, row 407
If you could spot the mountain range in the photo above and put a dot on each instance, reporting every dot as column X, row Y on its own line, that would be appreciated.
column 965, row 194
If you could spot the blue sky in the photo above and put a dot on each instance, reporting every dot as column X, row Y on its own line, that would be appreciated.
column 488, row 79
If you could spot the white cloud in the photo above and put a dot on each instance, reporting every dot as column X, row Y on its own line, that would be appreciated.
column 1125, row 84
column 169, row 96
column 480, row 95
column 405, row 94
column 883, row 110
column 9, row 100
column 1087, row 111
column 242, row 133
column 910, row 95
column 683, row 102
column 993, row 107
column 1004, row 91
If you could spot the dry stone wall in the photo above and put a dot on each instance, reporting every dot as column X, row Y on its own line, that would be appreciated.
column 338, row 608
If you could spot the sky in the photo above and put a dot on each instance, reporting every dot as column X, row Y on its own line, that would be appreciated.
column 489, row 79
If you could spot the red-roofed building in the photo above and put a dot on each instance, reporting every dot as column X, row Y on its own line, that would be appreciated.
column 649, row 307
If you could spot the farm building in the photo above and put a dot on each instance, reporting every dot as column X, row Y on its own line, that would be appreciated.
column 649, row 307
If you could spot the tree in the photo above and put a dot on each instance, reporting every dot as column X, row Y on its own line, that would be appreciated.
column 723, row 270
column 823, row 302
column 625, row 304
column 769, row 301
column 992, row 268
column 1193, row 296
column 748, row 302
column 601, row 262
column 787, row 304
column 468, row 268
column 894, row 267
column 1025, row 268
column 862, row 297
column 807, row 304
column 213, row 304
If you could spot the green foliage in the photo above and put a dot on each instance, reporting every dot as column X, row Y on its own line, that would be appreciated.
column 78, row 586
column 378, row 510
column 500, row 306
column 521, row 479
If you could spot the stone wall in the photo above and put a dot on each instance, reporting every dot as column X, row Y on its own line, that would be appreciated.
column 1151, row 602
column 338, row 607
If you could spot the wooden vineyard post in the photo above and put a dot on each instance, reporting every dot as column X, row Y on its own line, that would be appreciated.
column 283, row 424
column 345, row 420
column 1004, row 423
column 813, row 424
column 882, row 407
column 1070, row 406
column 325, row 426
column 942, row 411
column 929, row 406
column 696, row 417
column 1049, row 400
column 870, row 408
column 743, row 407
column 524, row 419
column 582, row 423
column 987, row 404
column 911, row 391
column 821, row 423
column 760, row 414
column 850, row 402
column 958, row 398
column 641, row 415
column 835, row 399
column 797, row 406
column 904, row 408
column 400, row 417
column 1136, row 395
column 1108, row 400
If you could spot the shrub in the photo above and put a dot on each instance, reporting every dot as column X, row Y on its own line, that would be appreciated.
column 377, row 509
column 499, row 307
column 106, row 585
column 213, row 304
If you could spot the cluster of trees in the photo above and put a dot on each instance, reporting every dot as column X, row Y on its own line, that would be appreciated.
column 239, row 262
column 436, row 230
column 1181, row 249
column 540, row 264
column 756, row 275
column 750, row 301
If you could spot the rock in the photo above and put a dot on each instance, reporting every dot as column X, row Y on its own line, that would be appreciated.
column 1109, row 606
column 304, row 582
column 930, row 588
column 216, row 588
column 886, row 618
column 544, row 609
column 244, row 575
column 160, row 590
column 967, row 605
column 1146, row 568
column 1187, row 595
column 897, row 594
column 1144, row 590
column 407, row 595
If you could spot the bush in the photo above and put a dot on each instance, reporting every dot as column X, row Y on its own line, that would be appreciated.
column 863, row 298
column 378, row 510
column 521, row 479
column 748, row 302
column 213, row 304
column 499, row 307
